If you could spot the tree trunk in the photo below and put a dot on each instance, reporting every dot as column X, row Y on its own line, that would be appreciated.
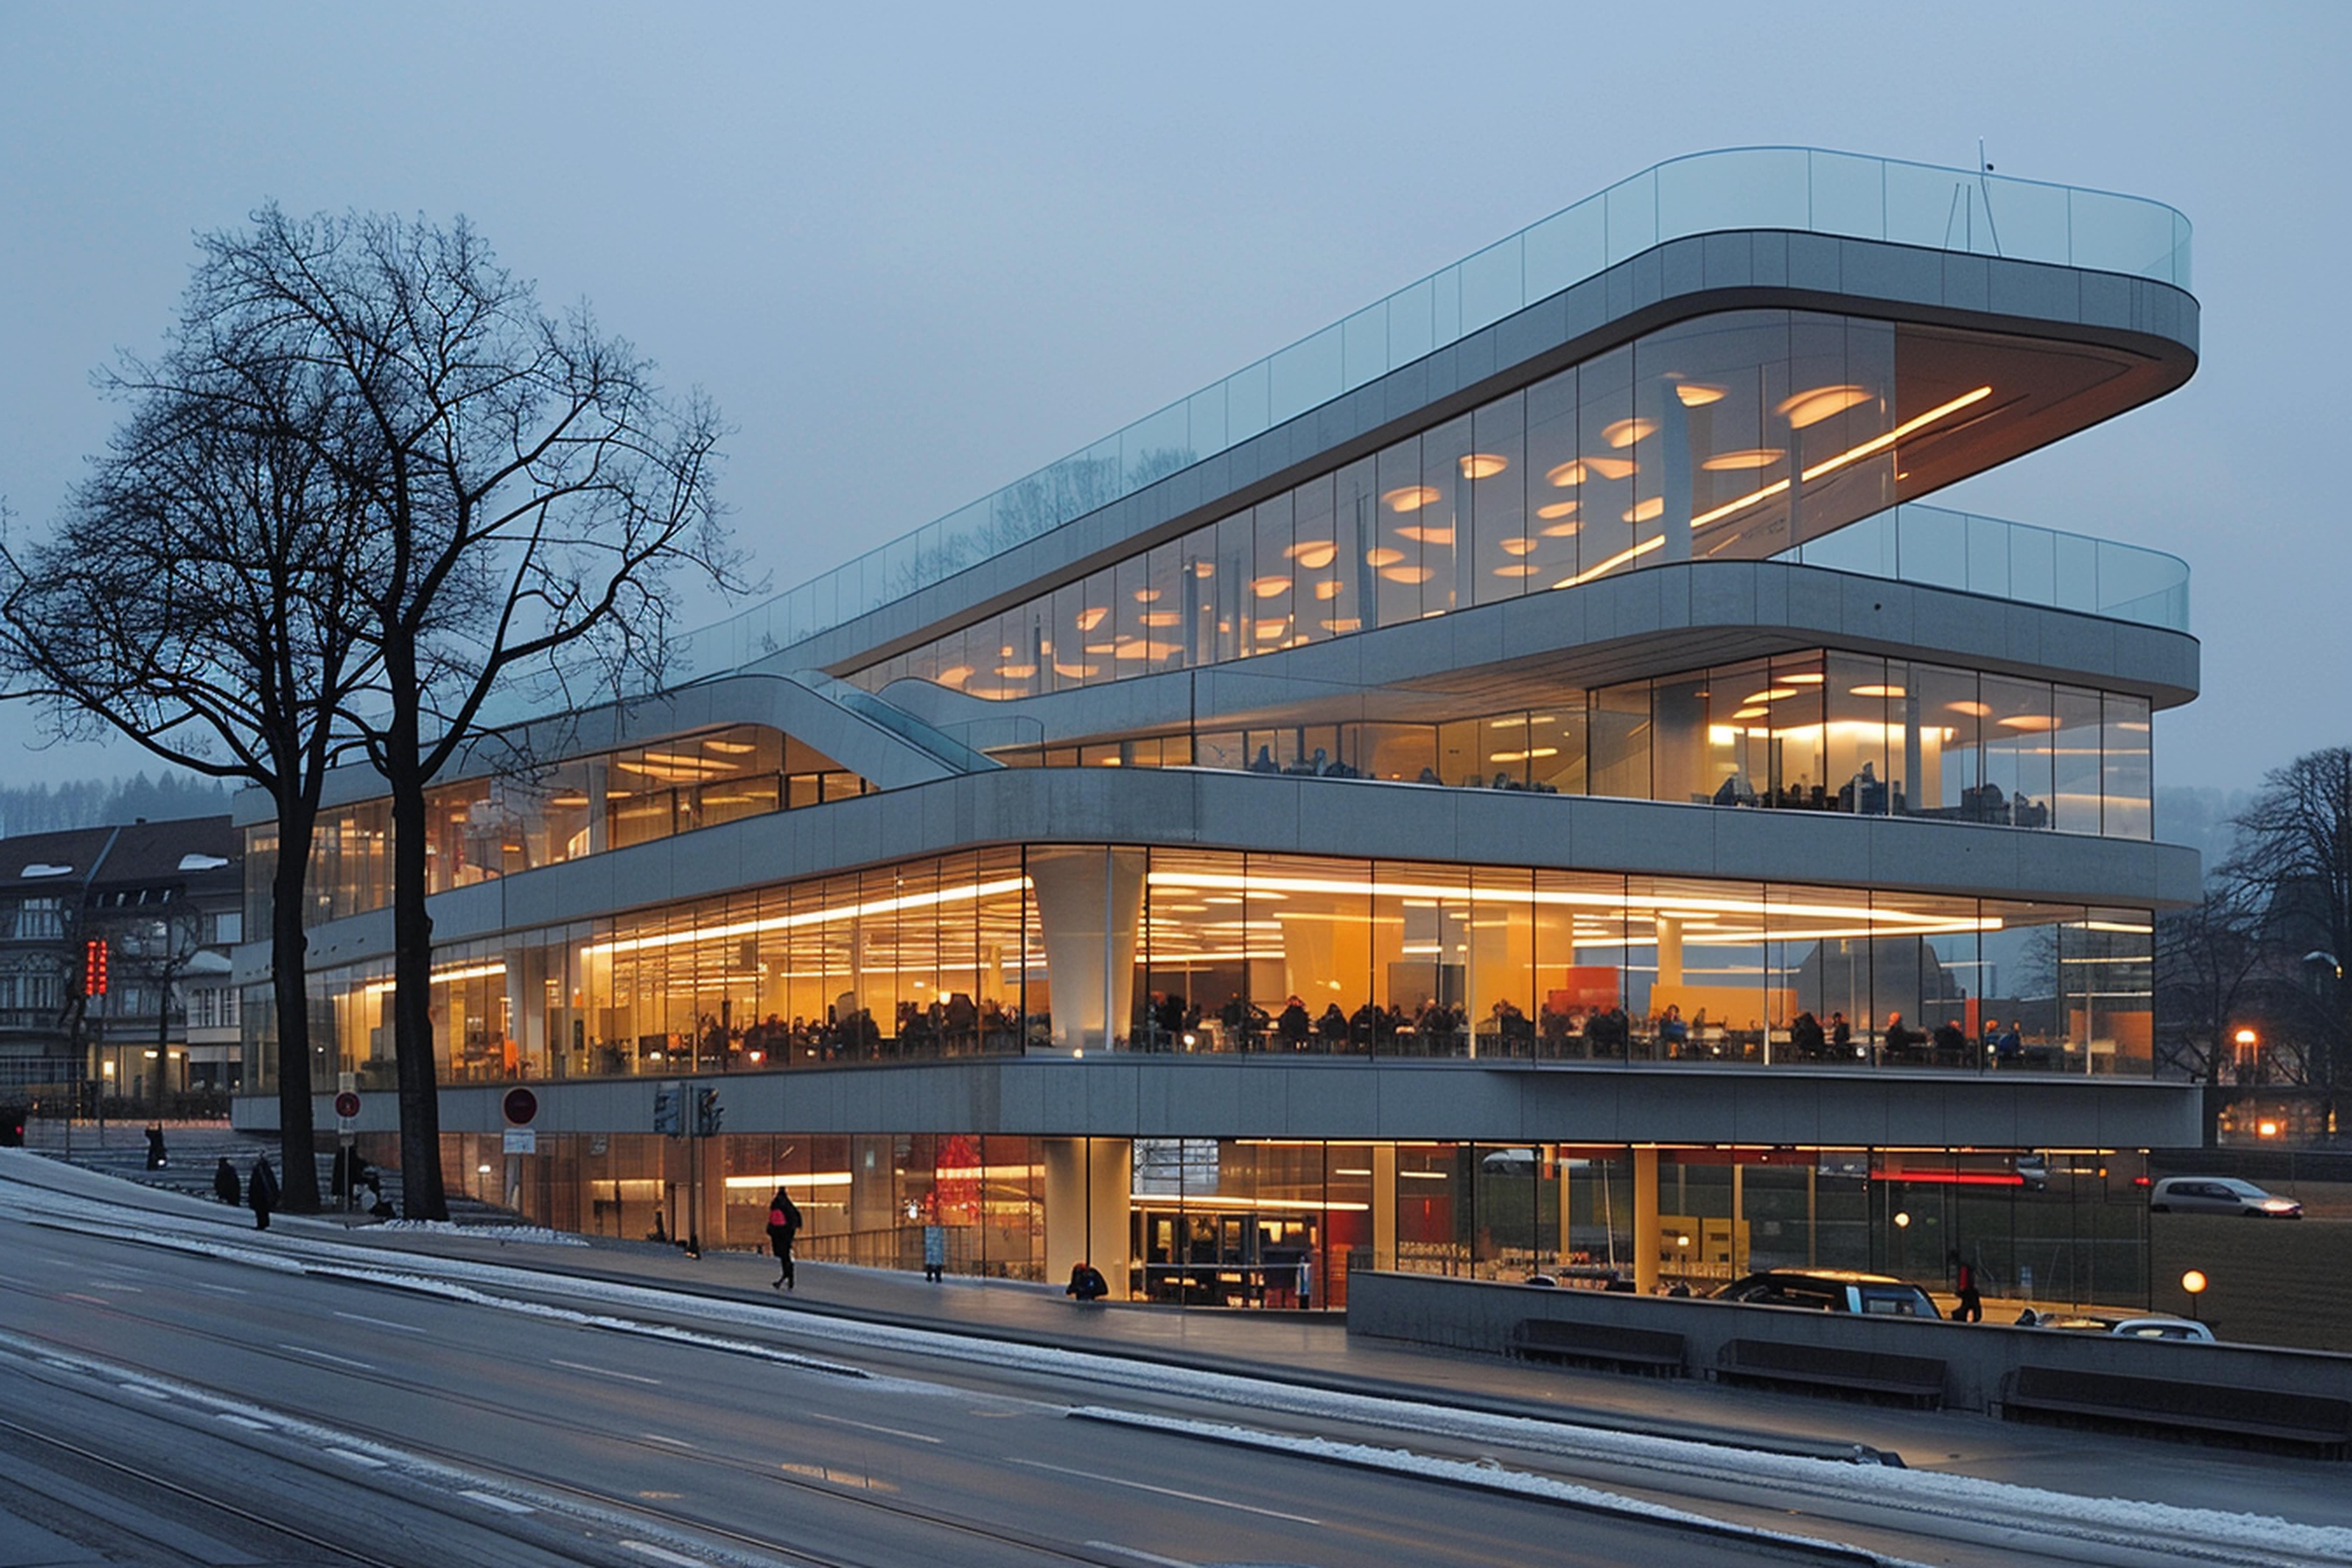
column 422, row 1194
column 297, row 1185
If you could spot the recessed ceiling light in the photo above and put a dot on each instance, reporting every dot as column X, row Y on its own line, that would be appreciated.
column 1698, row 394
column 1407, row 574
column 1515, row 569
column 1622, row 433
column 1383, row 556
column 1270, row 587
column 1558, row 508
column 1817, row 404
column 1312, row 553
column 1410, row 497
column 1482, row 465
column 1876, row 690
column 1425, row 535
column 1517, row 546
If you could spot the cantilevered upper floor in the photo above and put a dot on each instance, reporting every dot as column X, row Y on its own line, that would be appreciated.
column 1734, row 356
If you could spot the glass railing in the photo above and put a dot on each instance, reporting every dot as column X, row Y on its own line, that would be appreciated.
column 1943, row 549
column 1794, row 188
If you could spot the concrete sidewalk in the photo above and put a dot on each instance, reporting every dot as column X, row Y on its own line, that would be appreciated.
column 1314, row 1350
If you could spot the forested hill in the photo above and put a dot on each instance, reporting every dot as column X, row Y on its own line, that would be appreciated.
column 89, row 803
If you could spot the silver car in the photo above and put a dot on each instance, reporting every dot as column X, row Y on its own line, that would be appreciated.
column 2183, row 1330
column 2218, row 1194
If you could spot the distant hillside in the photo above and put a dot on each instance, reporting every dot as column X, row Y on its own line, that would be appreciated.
column 89, row 803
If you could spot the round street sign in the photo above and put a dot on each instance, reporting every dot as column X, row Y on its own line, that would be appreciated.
column 346, row 1105
column 522, row 1105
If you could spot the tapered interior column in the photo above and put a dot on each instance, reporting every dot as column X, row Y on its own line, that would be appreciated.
column 1091, row 901
column 1385, row 1214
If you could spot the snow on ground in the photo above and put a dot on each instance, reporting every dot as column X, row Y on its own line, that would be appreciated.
column 1928, row 1494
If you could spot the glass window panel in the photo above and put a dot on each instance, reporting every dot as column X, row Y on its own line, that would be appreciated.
column 1605, row 467
column 1395, row 558
column 1620, row 741
column 1444, row 520
column 1355, row 522
column 1271, row 587
column 1680, row 770
column 1495, row 554
column 2018, row 723
column 2127, row 782
column 1553, row 480
column 1316, row 585
column 2076, row 760
column 1235, row 564
column 1859, row 756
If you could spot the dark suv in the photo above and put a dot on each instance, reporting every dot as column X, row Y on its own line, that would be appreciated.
column 1831, row 1290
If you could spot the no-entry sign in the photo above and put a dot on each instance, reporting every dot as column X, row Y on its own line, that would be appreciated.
column 522, row 1105
column 346, row 1105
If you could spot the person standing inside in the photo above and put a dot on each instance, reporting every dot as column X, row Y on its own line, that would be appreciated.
column 935, row 1249
column 784, row 1224
column 261, row 1193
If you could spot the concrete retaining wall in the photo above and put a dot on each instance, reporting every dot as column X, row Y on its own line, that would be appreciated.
column 1478, row 1315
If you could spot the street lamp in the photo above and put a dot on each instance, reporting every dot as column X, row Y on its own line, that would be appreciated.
column 2194, row 1283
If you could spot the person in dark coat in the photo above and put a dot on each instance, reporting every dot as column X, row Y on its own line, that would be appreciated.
column 784, row 1224
column 1086, row 1284
column 261, row 1193
column 225, row 1186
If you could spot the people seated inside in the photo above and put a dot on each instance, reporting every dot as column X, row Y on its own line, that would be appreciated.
column 1951, row 1043
column 1902, row 1044
column 1808, row 1039
column 1087, row 1283
column 1735, row 790
column 1264, row 762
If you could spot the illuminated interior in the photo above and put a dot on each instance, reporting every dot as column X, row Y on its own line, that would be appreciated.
column 1732, row 436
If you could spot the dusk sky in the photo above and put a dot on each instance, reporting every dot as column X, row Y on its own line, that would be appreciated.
column 916, row 252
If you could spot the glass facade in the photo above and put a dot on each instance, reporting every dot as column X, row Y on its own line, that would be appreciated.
column 484, row 829
column 1229, row 1222
column 1220, row 952
column 1815, row 731
column 1796, row 189
column 1734, row 436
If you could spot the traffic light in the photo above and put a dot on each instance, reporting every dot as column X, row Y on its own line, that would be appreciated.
column 707, row 1112
column 93, row 967
column 668, row 1119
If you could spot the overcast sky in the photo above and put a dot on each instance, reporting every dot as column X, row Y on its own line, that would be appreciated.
column 915, row 253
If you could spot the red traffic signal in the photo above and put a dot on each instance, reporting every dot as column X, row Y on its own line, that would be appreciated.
column 93, row 967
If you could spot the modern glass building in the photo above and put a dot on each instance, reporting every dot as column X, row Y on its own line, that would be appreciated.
column 1517, row 781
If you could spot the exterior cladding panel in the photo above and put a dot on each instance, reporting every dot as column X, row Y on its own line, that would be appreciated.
column 1274, row 814
column 1189, row 1097
column 1684, row 278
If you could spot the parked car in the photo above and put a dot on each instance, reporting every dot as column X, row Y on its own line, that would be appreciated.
column 2033, row 1170
column 1831, row 1290
column 2143, row 1328
column 2218, row 1194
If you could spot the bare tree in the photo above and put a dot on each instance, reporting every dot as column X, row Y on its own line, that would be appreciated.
column 2208, row 963
column 529, row 490
column 193, row 597
column 2294, row 863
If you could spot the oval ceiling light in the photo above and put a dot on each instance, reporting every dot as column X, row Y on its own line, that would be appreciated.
column 1330, row 588
column 1875, row 691
column 1611, row 467
column 1482, row 465
column 1749, row 458
column 1092, row 616
column 1517, row 546
column 1771, row 694
column 1515, row 569
column 1312, row 553
column 1698, row 394
column 1425, row 535
column 1410, row 497
column 1557, row 509
column 1817, row 404
column 1383, row 556
column 1973, row 710
column 955, row 675
column 1270, row 587
column 1644, row 510
column 1622, row 433
column 2030, row 721
column 1562, row 530
column 1162, row 618
column 1753, row 713
column 1410, row 575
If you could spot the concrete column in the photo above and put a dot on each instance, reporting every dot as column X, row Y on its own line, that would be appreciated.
column 1566, row 1243
column 1091, row 901
column 1384, row 1213
column 1670, row 950
column 1674, row 484
column 1645, row 1220
column 1088, row 1183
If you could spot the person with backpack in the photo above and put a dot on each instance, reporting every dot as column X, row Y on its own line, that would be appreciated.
column 784, row 1224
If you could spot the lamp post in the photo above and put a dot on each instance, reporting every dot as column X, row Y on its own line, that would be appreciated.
column 2194, row 1283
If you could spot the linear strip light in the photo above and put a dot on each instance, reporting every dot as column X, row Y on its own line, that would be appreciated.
column 813, row 1179
column 1850, row 455
column 448, row 976
column 971, row 892
column 1212, row 1200
column 1670, row 905
column 1613, row 562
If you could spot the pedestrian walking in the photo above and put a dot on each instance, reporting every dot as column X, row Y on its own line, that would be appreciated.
column 1971, row 1307
column 784, row 1224
column 935, row 1251
column 225, row 1186
column 261, row 1193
